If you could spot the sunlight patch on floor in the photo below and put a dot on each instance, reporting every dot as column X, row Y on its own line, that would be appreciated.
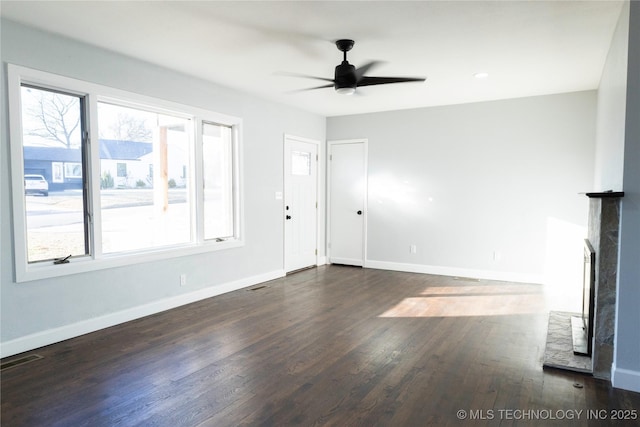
column 459, row 301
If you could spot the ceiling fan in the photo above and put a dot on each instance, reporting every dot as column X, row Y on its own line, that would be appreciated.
column 348, row 78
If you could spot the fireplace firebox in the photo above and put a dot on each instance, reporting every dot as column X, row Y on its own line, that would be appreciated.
column 582, row 327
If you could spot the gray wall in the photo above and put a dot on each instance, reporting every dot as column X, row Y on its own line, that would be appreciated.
column 463, row 182
column 618, row 168
column 40, row 306
column 626, row 372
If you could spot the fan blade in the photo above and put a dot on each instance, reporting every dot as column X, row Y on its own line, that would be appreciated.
column 360, row 72
column 310, row 88
column 369, row 81
column 304, row 76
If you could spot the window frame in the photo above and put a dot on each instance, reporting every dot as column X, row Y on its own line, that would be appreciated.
column 94, row 93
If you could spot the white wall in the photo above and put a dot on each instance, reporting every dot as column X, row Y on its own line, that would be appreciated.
column 464, row 182
column 39, row 312
column 611, row 111
column 626, row 369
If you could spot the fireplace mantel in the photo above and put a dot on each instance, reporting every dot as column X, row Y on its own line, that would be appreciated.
column 605, row 194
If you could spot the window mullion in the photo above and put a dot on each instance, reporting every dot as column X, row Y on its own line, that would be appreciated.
column 198, row 181
column 238, row 203
column 95, row 225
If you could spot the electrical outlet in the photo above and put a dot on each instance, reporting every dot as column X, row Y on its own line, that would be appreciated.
column 413, row 249
column 497, row 256
column 183, row 280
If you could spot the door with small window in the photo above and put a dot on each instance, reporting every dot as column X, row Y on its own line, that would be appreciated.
column 300, row 207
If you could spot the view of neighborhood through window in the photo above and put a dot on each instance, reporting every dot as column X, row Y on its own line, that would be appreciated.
column 52, row 149
column 144, row 192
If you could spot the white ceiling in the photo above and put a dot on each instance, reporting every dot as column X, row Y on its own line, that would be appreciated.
column 527, row 47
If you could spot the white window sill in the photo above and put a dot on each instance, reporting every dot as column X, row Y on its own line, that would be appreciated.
column 39, row 271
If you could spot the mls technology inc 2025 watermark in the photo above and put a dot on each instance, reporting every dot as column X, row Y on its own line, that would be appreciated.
column 547, row 414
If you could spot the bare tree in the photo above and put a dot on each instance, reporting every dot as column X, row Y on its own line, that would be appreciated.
column 129, row 128
column 54, row 116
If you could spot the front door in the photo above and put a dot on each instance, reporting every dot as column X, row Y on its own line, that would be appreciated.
column 300, row 203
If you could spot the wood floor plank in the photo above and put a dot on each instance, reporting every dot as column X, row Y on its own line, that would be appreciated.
column 331, row 346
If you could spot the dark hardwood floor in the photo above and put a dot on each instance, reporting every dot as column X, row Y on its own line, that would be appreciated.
column 335, row 345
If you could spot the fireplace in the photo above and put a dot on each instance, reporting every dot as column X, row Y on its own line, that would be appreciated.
column 583, row 342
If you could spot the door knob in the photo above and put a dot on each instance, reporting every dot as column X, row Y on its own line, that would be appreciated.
column 359, row 212
column 288, row 217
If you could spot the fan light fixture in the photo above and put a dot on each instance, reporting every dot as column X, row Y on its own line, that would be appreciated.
column 346, row 90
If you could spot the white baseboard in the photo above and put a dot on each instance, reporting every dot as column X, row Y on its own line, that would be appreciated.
column 625, row 379
column 455, row 272
column 51, row 336
column 322, row 260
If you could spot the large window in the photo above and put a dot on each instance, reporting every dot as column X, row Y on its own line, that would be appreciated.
column 103, row 177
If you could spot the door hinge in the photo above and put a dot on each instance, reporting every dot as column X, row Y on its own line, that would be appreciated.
column 316, row 252
column 330, row 156
column 316, row 157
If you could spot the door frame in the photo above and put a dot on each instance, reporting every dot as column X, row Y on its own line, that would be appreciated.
column 365, row 145
column 287, row 138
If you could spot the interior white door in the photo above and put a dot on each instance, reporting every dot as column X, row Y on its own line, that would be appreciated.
column 347, row 196
column 300, row 203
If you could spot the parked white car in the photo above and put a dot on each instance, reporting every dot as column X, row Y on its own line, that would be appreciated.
column 36, row 184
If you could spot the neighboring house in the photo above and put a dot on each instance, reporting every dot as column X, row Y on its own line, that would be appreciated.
column 51, row 163
column 128, row 162
column 123, row 160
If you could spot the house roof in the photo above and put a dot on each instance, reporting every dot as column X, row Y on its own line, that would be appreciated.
column 109, row 149
column 54, row 154
column 123, row 150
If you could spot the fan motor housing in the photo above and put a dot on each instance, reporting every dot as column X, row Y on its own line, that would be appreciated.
column 345, row 76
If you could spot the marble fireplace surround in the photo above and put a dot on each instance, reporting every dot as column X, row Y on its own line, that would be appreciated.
column 603, row 231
